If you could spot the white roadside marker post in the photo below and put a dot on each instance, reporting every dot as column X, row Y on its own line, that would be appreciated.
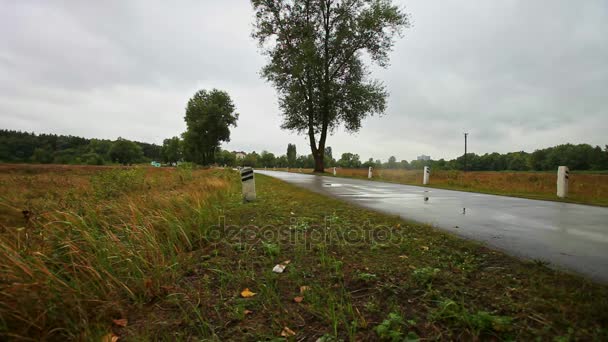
column 369, row 173
column 248, row 182
column 427, row 173
column 563, row 173
column 334, row 170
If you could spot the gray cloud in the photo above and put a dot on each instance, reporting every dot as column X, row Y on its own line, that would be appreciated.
column 515, row 74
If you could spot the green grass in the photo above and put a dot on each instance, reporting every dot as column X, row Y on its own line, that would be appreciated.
column 368, row 276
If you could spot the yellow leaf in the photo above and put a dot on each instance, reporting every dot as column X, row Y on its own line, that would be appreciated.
column 287, row 332
column 298, row 299
column 425, row 248
column 120, row 322
column 304, row 289
column 246, row 293
column 109, row 338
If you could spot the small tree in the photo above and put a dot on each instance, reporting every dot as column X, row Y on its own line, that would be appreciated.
column 291, row 155
column 125, row 152
column 392, row 162
column 315, row 50
column 209, row 116
column 226, row 158
column 172, row 150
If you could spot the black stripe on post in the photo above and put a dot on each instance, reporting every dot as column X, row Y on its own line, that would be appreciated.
column 246, row 173
column 246, row 178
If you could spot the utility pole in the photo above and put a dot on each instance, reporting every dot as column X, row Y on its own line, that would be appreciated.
column 465, row 152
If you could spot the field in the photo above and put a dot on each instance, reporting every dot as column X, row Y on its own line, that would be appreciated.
column 96, row 253
column 585, row 188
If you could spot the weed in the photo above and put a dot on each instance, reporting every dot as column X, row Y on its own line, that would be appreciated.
column 478, row 322
column 271, row 249
column 366, row 276
column 300, row 226
column 394, row 328
column 425, row 275
column 184, row 172
column 115, row 182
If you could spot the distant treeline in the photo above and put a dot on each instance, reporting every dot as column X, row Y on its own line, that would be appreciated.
column 576, row 157
column 23, row 147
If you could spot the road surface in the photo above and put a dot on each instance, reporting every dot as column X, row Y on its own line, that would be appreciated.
column 570, row 236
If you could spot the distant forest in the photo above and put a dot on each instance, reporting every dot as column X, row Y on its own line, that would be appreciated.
column 23, row 147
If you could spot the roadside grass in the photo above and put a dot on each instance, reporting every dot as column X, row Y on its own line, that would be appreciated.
column 585, row 187
column 76, row 244
column 173, row 255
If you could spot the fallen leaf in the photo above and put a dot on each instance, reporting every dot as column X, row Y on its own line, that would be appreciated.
column 247, row 312
column 413, row 267
column 109, row 338
column 120, row 322
column 426, row 248
column 403, row 256
column 304, row 289
column 246, row 293
column 278, row 268
column 287, row 332
column 298, row 299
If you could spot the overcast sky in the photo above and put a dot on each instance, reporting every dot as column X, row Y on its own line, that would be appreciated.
column 516, row 75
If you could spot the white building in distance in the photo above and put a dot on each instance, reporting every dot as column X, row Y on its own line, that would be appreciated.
column 239, row 154
column 423, row 157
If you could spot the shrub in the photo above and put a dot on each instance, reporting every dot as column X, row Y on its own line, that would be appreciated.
column 116, row 182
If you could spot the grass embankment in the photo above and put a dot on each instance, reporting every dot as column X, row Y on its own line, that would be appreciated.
column 584, row 187
column 155, row 255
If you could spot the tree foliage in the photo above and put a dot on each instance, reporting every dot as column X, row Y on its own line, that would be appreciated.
column 24, row 147
column 209, row 116
column 172, row 150
column 316, row 50
column 291, row 154
column 125, row 152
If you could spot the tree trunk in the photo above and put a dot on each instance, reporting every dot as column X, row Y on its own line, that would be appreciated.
column 319, row 167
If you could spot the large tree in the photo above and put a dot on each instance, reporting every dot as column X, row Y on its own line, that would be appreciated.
column 209, row 116
column 316, row 50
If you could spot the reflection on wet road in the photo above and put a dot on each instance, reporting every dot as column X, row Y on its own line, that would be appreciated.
column 567, row 235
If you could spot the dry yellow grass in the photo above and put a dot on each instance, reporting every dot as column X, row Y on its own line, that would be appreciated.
column 77, row 241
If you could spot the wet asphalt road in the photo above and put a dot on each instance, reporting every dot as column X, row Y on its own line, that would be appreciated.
column 569, row 236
